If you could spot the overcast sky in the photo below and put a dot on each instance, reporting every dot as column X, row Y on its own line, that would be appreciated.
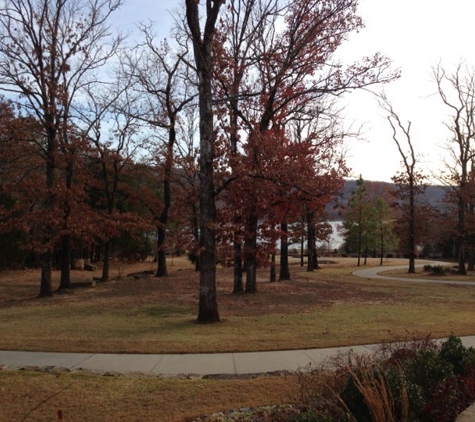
column 416, row 35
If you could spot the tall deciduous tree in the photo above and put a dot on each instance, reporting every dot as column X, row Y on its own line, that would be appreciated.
column 47, row 49
column 277, row 70
column 111, row 159
column 203, row 47
column 409, row 181
column 457, row 92
column 163, row 86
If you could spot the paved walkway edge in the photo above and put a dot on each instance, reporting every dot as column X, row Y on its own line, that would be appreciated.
column 177, row 364
column 170, row 365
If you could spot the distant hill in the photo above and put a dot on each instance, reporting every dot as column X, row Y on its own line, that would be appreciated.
column 433, row 195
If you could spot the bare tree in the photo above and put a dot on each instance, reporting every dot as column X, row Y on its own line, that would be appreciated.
column 46, row 51
column 410, row 180
column 112, row 155
column 163, row 88
column 457, row 92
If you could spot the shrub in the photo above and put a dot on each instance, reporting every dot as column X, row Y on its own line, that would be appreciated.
column 461, row 358
column 428, row 369
column 436, row 269
column 417, row 380
column 439, row 270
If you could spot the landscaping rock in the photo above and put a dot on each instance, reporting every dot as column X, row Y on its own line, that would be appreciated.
column 112, row 374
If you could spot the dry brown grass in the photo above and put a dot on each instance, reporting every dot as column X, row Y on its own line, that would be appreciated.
column 329, row 307
column 376, row 392
column 83, row 397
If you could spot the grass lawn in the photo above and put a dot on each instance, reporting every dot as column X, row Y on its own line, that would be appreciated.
column 83, row 397
column 329, row 307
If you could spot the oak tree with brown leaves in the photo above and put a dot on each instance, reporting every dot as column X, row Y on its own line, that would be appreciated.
column 47, row 49
column 275, row 62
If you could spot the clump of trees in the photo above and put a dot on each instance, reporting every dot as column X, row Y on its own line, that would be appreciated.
column 445, row 228
column 369, row 222
column 93, row 159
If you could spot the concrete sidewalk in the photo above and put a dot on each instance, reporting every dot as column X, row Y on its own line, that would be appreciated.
column 170, row 365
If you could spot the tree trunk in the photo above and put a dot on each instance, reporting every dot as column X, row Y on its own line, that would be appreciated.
column 196, row 235
column 208, row 306
column 167, row 200
column 161, row 255
column 238, row 286
column 315, row 260
column 106, row 262
column 45, row 285
column 47, row 257
column 461, row 259
column 65, row 280
column 273, row 276
column 471, row 257
column 360, row 235
column 461, row 233
column 284, row 253
column 250, row 254
column 302, row 251
column 312, row 263
column 412, row 228
column 203, row 50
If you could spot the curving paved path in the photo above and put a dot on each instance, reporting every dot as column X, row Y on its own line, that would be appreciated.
column 172, row 365
column 373, row 272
